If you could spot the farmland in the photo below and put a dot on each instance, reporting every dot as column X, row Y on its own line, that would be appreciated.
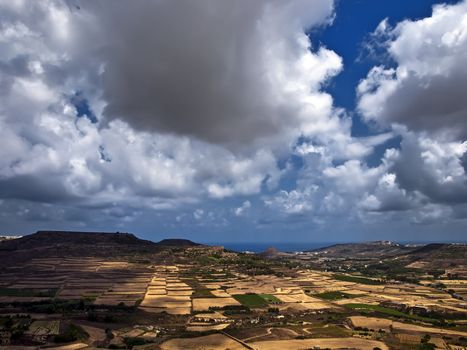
column 356, row 279
column 334, row 295
column 222, row 342
column 251, row 300
column 364, row 308
column 200, row 297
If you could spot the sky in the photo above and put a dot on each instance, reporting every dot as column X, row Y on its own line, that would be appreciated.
column 222, row 121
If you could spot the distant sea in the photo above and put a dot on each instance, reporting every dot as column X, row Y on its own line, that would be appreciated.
column 258, row 247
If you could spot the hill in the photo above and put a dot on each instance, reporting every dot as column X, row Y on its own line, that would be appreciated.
column 42, row 239
column 429, row 248
column 272, row 253
column 177, row 242
column 385, row 259
column 438, row 256
column 75, row 243
column 375, row 249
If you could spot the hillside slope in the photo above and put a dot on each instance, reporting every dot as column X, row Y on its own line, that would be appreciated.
column 364, row 250
column 74, row 243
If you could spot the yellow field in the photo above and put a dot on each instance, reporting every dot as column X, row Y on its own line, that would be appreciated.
column 209, row 342
column 219, row 341
column 409, row 295
column 75, row 346
column 206, row 327
column 166, row 292
column 201, row 304
column 377, row 323
column 370, row 322
column 324, row 343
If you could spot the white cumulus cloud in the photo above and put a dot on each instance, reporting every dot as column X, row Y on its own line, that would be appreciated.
column 425, row 90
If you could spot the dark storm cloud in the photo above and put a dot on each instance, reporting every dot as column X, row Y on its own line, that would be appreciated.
column 202, row 68
column 34, row 188
column 433, row 104
column 14, row 67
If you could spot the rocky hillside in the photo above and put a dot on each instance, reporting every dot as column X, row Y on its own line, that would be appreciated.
column 71, row 243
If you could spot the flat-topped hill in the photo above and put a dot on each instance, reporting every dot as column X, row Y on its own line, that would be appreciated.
column 76, row 243
column 177, row 242
column 42, row 239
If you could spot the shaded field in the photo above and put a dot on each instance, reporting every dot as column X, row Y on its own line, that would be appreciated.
column 202, row 293
column 357, row 279
column 336, row 295
column 366, row 308
column 213, row 341
column 219, row 341
column 27, row 292
column 326, row 331
column 383, row 323
column 324, row 343
column 199, row 290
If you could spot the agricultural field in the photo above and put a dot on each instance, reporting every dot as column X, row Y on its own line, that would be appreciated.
column 270, row 299
column 214, row 341
column 103, row 282
column 381, row 323
column 336, row 295
column 357, row 279
column 251, row 300
column 167, row 293
column 408, row 334
column 199, row 297
column 204, row 304
column 218, row 341
column 365, row 308
column 325, row 343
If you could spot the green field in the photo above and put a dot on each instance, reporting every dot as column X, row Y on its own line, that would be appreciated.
column 365, row 308
column 251, row 300
column 270, row 299
column 356, row 279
